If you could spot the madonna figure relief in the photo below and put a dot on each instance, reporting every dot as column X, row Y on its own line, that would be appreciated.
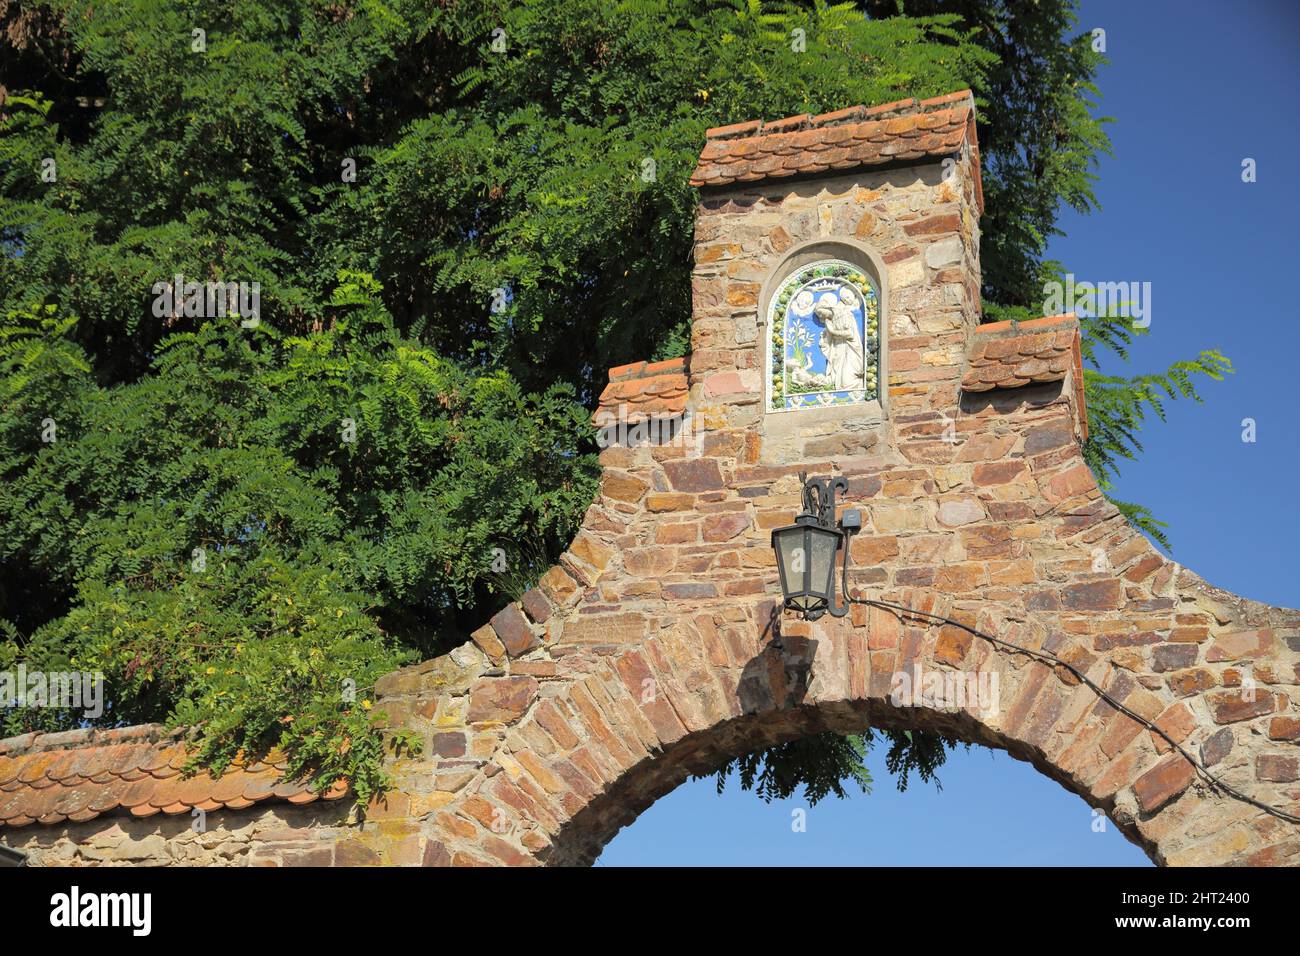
column 841, row 343
column 824, row 340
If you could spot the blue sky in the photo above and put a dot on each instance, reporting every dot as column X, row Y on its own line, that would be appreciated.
column 1194, row 89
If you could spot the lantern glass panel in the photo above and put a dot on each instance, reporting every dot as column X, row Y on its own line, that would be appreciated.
column 792, row 558
column 821, row 563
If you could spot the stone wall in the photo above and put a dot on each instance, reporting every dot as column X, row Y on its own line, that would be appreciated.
column 653, row 653
column 121, row 797
column 278, row 835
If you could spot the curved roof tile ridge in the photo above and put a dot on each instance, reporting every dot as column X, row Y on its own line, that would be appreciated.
column 841, row 140
column 78, row 775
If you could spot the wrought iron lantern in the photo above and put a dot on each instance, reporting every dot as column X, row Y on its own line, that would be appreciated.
column 806, row 550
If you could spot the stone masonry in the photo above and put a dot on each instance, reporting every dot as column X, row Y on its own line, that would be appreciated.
column 654, row 649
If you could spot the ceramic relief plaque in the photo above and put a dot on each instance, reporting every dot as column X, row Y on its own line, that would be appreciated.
column 824, row 323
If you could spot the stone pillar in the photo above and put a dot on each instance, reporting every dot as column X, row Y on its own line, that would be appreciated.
column 896, row 188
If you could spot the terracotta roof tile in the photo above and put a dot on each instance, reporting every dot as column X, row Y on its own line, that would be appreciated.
column 74, row 801
column 40, row 803
column 32, row 774
column 109, row 796
column 259, row 786
column 138, row 792
column 1014, row 354
column 64, row 766
column 9, row 770
column 800, row 145
column 79, row 775
column 229, row 787
column 642, row 391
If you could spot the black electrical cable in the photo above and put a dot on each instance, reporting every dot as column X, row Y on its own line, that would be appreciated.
column 1048, row 657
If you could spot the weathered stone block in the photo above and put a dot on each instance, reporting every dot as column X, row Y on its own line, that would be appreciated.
column 1170, row 657
column 1231, row 706
column 694, row 475
column 1163, row 782
column 504, row 699
column 1284, row 728
column 514, row 630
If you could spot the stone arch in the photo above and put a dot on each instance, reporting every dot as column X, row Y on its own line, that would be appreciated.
column 541, row 757
column 827, row 676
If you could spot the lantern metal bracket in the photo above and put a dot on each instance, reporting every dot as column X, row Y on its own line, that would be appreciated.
column 819, row 497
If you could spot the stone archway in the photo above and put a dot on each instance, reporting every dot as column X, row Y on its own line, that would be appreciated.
column 647, row 653
column 547, row 755
column 820, row 679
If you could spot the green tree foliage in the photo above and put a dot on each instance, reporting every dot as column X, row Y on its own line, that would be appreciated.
column 820, row 765
column 460, row 215
column 215, row 540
